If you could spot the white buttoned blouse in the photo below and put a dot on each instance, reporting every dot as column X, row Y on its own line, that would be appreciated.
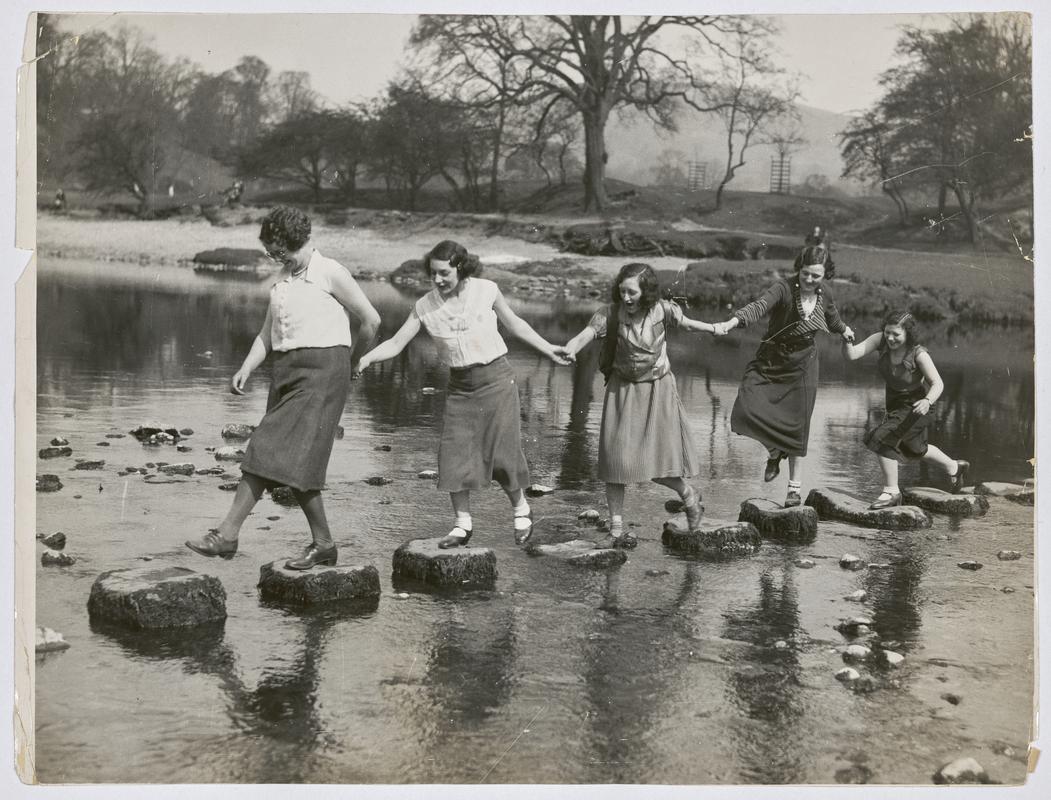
column 466, row 334
column 303, row 310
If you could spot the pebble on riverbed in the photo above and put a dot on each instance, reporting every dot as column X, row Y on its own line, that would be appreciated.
column 892, row 659
column 860, row 596
column 378, row 480
column 48, row 483
column 422, row 560
column 1008, row 555
column 790, row 525
column 49, row 641
column 971, row 565
column 962, row 770
column 157, row 597
column 805, row 563
column 59, row 441
column 236, row 430
column 55, row 452
column 318, row 585
column 89, row 465
column 53, row 558
column 538, row 489
column 427, row 474
column 177, row 469
column 855, row 652
column 54, row 541
column 591, row 515
column 151, row 430
column 855, row 626
column 847, row 674
column 229, row 453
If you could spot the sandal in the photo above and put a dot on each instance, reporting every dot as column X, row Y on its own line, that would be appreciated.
column 886, row 500
column 956, row 481
column 457, row 537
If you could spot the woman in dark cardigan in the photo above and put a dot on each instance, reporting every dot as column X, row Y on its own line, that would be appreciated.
column 777, row 393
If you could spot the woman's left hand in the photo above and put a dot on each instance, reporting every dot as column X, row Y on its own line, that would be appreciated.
column 560, row 355
column 921, row 407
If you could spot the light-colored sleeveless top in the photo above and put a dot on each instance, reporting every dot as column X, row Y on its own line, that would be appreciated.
column 466, row 335
column 303, row 311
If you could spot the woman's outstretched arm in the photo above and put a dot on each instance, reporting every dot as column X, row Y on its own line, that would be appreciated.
column 393, row 346
column 256, row 356
column 852, row 352
column 521, row 329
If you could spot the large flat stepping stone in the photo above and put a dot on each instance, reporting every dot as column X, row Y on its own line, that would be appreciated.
column 832, row 504
column 960, row 505
column 318, row 585
column 1001, row 489
column 580, row 553
column 796, row 525
column 422, row 560
column 725, row 541
column 147, row 598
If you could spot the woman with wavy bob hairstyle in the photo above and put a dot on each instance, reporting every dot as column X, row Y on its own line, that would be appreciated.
column 913, row 387
column 481, row 437
column 777, row 393
column 645, row 435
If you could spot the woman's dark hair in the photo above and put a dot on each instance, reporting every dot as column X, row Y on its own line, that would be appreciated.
column 907, row 322
column 817, row 250
column 651, row 291
column 456, row 254
column 285, row 227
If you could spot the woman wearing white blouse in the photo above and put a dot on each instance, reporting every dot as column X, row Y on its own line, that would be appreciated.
column 307, row 334
column 481, row 437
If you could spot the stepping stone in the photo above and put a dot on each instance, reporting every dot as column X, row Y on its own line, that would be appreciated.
column 959, row 505
column 48, row 483
column 591, row 515
column 160, row 479
column 581, row 553
column 237, row 430
column 427, row 474
column 177, row 469
column 55, row 541
column 725, row 541
column 148, row 430
column 832, row 504
column 114, row 435
column 93, row 465
column 422, row 560
column 847, row 675
column 855, row 626
column 962, row 770
column 49, row 641
column 59, row 442
column 1003, row 555
column 851, row 562
column 229, row 453
column 378, row 480
column 318, row 585
column 186, row 431
column 855, row 652
column 55, row 452
column 1000, row 489
column 146, row 598
column 210, row 471
column 790, row 525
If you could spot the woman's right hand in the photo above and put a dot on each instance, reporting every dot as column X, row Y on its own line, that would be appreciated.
column 723, row 328
column 362, row 365
column 238, row 381
column 561, row 354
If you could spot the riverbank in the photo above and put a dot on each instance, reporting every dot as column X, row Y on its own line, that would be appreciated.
column 527, row 255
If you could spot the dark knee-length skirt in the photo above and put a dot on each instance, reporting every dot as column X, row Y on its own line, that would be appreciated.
column 481, row 437
column 776, row 397
column 902, row 434
column 292, row 444
column 645, row 433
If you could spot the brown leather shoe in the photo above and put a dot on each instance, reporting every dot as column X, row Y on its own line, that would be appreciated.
column 956, row 481
column 773, row 468
column 312, row 557
column 212, row 544
column 886, row 500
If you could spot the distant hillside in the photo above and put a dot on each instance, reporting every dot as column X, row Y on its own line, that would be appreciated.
column 635, row 148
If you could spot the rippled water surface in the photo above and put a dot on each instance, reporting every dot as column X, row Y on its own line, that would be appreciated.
column 662, row 671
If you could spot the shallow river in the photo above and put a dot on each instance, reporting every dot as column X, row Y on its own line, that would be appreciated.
column 662, row 671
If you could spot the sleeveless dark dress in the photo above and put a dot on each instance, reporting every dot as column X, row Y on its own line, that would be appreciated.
column 902, row 435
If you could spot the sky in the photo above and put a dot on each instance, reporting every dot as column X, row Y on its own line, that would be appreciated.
column 351, row 57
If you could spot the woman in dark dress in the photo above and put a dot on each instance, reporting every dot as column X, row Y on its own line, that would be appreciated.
column 307, row 335
column 776, row 398
column 913, row 386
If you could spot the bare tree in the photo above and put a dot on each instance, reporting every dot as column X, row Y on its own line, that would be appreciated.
column 292, row 95
column 596, row 64
column 867, row 157
column 748, row 99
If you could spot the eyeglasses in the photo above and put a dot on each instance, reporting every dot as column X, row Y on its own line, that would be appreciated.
column 275, row 253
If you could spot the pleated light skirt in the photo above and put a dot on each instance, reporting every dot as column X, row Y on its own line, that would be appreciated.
column 645, row 433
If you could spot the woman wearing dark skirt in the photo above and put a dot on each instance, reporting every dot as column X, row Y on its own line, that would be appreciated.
column 913, row 386
column 481, row 438
column 776, row 398
column 307, row 334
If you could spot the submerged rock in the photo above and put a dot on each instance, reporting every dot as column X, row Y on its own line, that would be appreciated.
column 49, row 641
column 157, row 597
column 59, row 441
column 229, row 453
column 89, row 465
column 962, row 770
column 210, row 471
column 101, row 444
column 427, row 474
column 229, row 486
column 581, row 553
column 148, row 430
column 177, row 469
column 833, row 504
column 382, row 448
column 855, row 652
column 860, row 596
column 186, row 431
column 847, row 675
column 422, row 560
column 183, row 448
column 236, row 430
column 725, row 541
column 114, row 435
column 591, row 515
column 53, row 558
column 48, row 483
column 55, row 452
column 805, row 563
column 971, row 565
column 791, row 525
column 318, row 585
column 855, row 626
column 1001, row 489
column 892, row 659
column 1008, row 555
column 378, row 480
column 855, row 774
column 851, row 562
column 960, row 505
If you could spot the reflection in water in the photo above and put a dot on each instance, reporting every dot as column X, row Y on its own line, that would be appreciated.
column 768, row 684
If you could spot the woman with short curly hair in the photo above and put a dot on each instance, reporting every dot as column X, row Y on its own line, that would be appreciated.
column 307, row 336
column 481, row 438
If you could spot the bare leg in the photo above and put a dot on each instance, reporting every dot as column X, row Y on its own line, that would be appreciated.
column 936, row 456
column 314, row 509
column 249, row 490
column 889, row 468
